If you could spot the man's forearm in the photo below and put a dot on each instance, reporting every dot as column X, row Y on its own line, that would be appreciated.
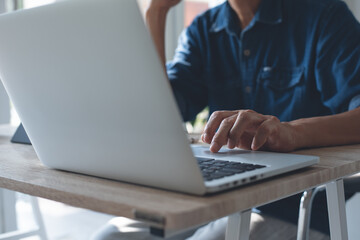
column 339, row 129
column 156, row 20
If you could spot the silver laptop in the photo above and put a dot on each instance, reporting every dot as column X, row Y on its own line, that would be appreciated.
column 90, row 90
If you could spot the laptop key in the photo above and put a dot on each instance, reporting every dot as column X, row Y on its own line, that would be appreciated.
column 259, row 166
column 232, row 170
column 226, row 173
column 208, row 171
column 216, row 169
column 217, row 176
column 200, row 159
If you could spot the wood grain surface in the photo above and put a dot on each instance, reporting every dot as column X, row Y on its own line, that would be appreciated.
column 20, row 170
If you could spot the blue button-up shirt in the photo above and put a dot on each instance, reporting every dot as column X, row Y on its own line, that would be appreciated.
column 296, row 58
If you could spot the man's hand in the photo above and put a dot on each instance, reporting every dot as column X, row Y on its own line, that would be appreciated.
column 248, row 130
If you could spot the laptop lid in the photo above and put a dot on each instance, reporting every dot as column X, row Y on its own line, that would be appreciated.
column 92, row 95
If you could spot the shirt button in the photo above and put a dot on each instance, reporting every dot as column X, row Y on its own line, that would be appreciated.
column 248, row 89
column 267, row 69
column 247, row 52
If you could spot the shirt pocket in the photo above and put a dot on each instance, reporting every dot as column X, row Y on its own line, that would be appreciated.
column 280, row 91
column 281, row 80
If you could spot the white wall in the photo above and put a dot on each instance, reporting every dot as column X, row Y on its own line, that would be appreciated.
column 4, row 100
column 174, row 26
column 353, row 217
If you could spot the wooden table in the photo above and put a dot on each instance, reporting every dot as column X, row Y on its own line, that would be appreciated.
column 20, row 170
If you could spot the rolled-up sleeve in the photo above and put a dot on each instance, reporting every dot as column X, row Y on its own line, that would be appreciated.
column 355, row 102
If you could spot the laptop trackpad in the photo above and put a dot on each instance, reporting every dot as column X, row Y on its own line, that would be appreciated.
column 204, row 151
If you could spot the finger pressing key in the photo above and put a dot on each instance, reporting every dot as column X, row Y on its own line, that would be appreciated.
column 222, row 135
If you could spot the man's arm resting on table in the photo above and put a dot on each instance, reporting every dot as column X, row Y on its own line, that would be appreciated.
column 250, row 130
column 339, row 129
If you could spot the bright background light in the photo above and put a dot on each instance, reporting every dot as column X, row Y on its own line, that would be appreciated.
column 36, row 3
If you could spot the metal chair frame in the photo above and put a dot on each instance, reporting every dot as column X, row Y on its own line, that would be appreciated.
column 40, row 231
column 351, row 185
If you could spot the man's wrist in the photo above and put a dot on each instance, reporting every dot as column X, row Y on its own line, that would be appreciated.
column 300, row 135
column 155, row 12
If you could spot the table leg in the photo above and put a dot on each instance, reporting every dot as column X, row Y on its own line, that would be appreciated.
column 238, row 226
column 336, row 208
column 7, row 211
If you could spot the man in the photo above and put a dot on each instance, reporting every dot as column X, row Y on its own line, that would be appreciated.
column 277, row 75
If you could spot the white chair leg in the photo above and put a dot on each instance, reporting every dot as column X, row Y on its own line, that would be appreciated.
column 304, row 215
column 336, row 208
column 306, row 202
column 5, row 217
column 38, row 218
column 238, row 226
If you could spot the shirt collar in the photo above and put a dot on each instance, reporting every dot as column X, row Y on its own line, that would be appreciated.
column 269, row 12
column 225, row 19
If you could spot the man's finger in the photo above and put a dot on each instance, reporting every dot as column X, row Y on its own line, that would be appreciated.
column 213, row 124
column 246, row 121
column 221, row 137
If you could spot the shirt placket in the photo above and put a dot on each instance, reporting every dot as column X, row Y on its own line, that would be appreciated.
column 245, row 56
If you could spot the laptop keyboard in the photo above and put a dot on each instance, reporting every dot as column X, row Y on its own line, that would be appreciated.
column 215, row 169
